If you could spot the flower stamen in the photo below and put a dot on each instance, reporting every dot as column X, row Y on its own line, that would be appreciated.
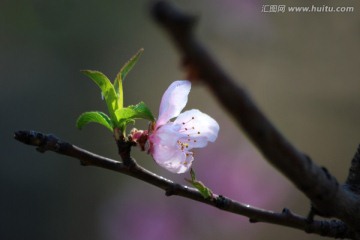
column 192, row 118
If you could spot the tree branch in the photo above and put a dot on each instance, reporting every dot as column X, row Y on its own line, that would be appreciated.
column 353, row 180
column 49, row 142
column 327, row 196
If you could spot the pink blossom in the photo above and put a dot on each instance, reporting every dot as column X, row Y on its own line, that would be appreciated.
column 171, row 142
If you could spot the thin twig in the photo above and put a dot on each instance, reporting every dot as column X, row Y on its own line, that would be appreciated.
column 49, row 142
column 323, row 190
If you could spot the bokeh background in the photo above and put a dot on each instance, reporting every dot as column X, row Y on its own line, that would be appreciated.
column 302, row 69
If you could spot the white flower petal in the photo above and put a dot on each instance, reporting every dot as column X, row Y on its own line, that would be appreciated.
column 170, row 142
column 197, row 126
column 174, row 160
column 173, row 101
column 162, row 153
column 167, row 135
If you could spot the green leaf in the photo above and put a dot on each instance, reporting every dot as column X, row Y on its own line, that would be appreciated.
column 118, row 83
column 96, row 117
column 204, row 191
column 192, row 174
column 132, row 112
column 107, row 90
column 130, row 64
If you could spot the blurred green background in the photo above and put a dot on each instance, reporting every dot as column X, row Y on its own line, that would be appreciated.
column 302, row 69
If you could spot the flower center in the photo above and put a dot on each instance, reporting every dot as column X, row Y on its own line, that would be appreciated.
column 183, row 145
column 189, row 129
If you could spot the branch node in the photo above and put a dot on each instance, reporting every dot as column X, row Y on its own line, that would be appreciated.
column 286, row 212
column 253, row 220
column 311, row 215
column 43, row 142
column 30, row 137
column 172, row 189
column 221, row 202
column 124, row 149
